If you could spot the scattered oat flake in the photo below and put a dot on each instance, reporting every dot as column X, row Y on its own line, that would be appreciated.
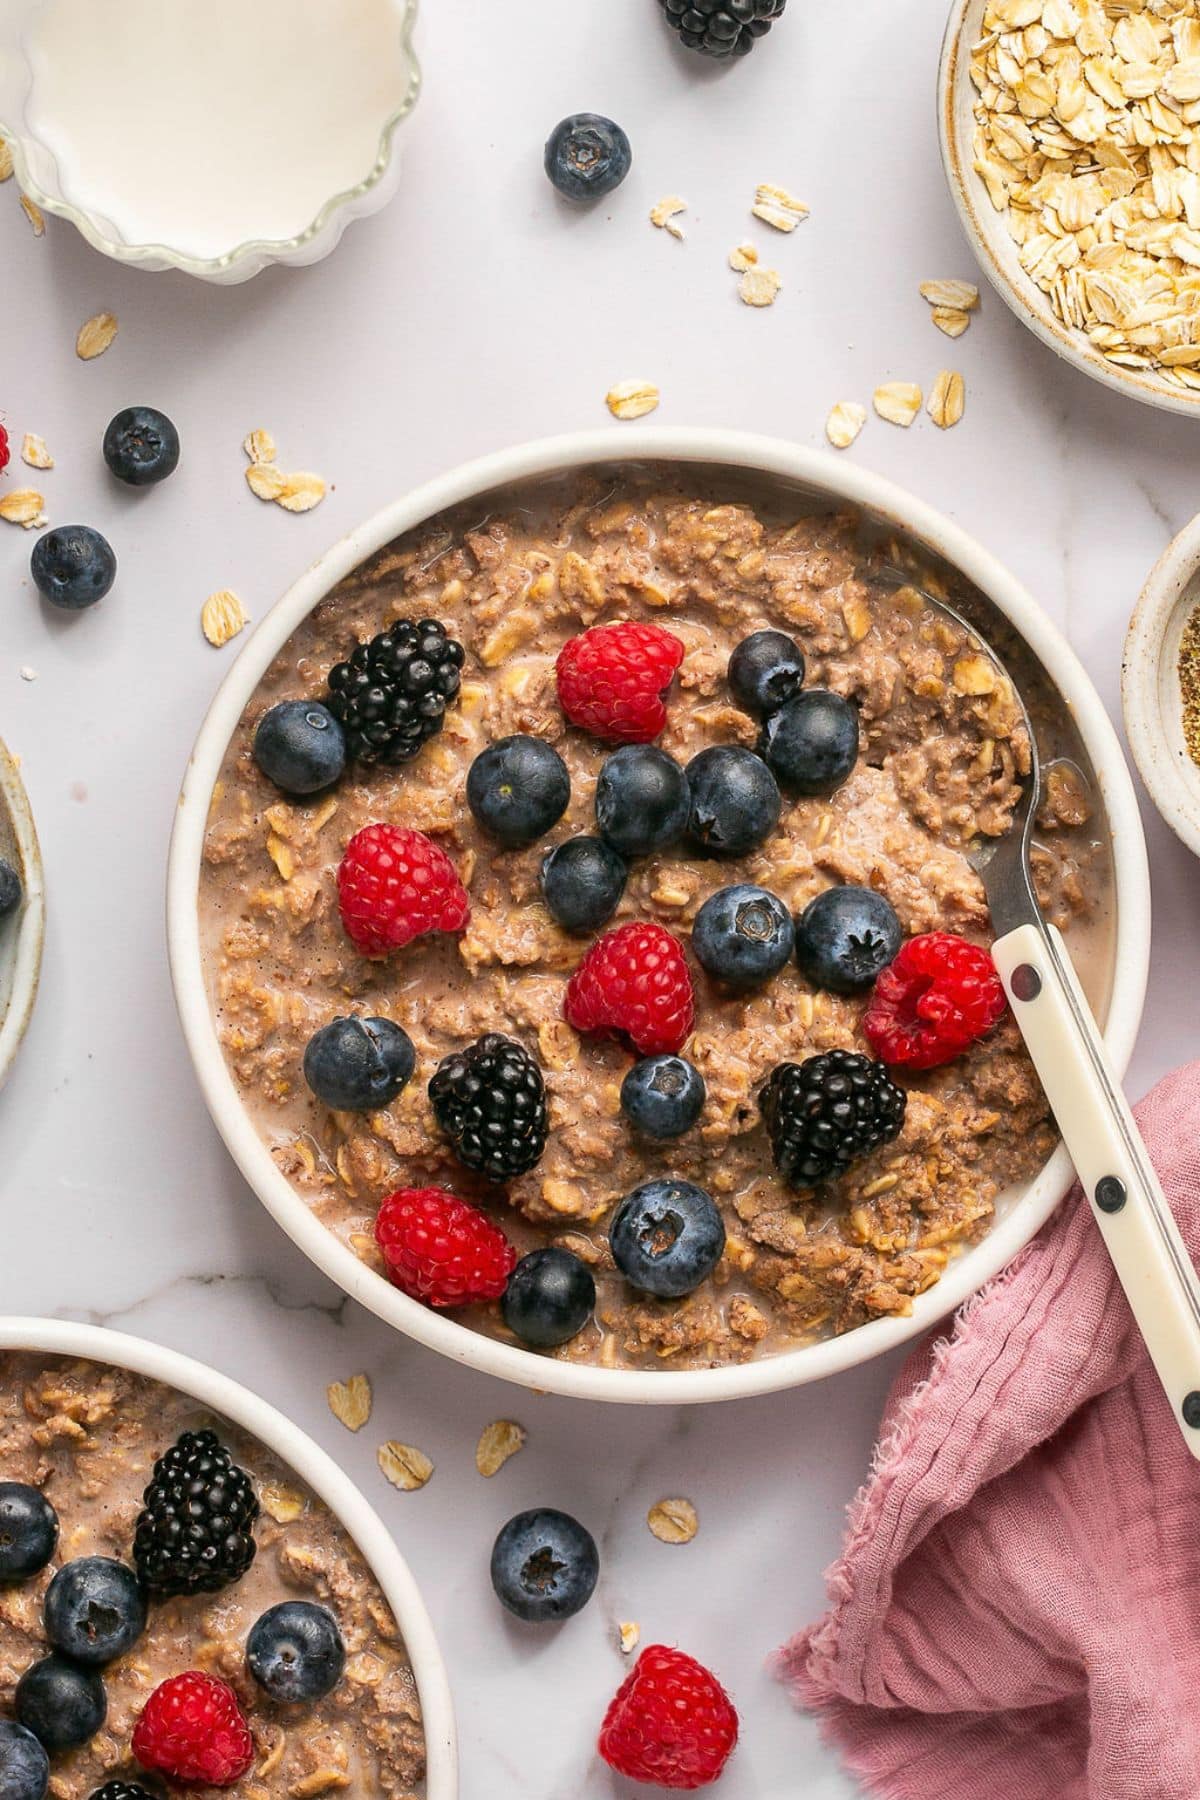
column 6, row 160
column 963, row 296
column 28, row 674
column 947, row 399
column 265, row 480
column 498, row 1441
column 898, row 402
column 632, row 399
column 350, row 1401
column 35, row 215
column 35, row 453
column 777, row 208
column 22, row 506
column 951, row 319
column 222, row 617
column 301, row 492
column 405, row 1467
column 665, row 213
column 759, row 287
column 629, row 1636
column 742, row 257
column 844, row 423
column 95, row 336
column 673, row 1521
column 260, row 447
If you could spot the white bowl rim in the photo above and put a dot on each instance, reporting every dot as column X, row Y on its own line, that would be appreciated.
column 976, row 215
column 841, row 482
column 1176, row 796
column 95, row 1343
column 31, row 928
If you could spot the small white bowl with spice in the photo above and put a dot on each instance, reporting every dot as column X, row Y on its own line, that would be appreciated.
column 22, row 929
column 1160, row 685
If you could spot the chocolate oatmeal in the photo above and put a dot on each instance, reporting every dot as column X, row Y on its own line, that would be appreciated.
column 87, row 1436
column 940, row 765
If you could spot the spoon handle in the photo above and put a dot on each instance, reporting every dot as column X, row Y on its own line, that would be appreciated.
column 1114, row 1168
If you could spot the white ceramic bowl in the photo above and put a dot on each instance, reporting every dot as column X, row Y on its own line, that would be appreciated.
column 1150, row 691
column 994, row 247
column 825, row 480
column 55, row 1337
column 22, row 934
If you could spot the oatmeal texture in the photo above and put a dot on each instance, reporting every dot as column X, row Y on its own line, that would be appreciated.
column 943, row 753
column 87, row 1435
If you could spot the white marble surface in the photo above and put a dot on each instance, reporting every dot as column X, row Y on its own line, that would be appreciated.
column 475, row 311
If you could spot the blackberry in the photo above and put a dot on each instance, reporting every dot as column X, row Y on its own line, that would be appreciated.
column 826, row 1112
column 391, row 696
column 490, row 1100
column 196, row 1531
column 123, row 1790
column 722, row 27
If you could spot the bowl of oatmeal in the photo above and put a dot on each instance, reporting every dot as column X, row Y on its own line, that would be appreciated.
column 89, row 1419
column 712, row 537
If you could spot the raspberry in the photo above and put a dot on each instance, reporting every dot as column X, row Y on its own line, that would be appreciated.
column 3, row 449
column 394, row 885
column 634, row 982
column 939, row 996
column 612, row 680
column 192, row 1730
column 442, row 1250
column 670, row 1722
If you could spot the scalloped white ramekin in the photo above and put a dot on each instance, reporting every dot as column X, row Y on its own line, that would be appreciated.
column 1151, row 693
column 22, row 935
column 823, row 479
column 57, row 1337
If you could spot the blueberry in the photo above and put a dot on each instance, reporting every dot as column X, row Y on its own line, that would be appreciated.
column 295, row 1652
column 10, row 889
column 517, row 789
column 666, row 1237
column 582, row 883
column 587, row 156
column 24, row 1765
column 743, row 936
column 766, row 669
column 300, row 746
column 811, row 743
column 642, row 800
column 358, row 1065
column 544, row 1566
column 95, row 1610
column 663, row 1096
column 846, row 937
column 141, row 446
column 62, row 1704
column 73, row 567
column 549, row 1298
column 735, row 803
column 28, row 1531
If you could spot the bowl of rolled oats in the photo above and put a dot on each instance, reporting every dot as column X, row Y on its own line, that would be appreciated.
column 1068, row 132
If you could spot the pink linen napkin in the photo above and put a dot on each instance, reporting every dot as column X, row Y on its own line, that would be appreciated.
column 1016, row 1613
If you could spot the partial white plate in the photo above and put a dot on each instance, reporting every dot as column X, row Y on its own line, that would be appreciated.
column 23, row 932
column 1150, row 687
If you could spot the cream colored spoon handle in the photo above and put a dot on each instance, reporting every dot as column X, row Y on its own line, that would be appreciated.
column 1111, row 1160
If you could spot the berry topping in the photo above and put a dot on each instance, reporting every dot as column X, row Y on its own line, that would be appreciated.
column 722, row 28
column 24, row 1765
column 544, row 1566
column 642, row 800
column 811, row 743
column 743, row 936
column 587, row 156
column 123, row 1790
column 940, row 996
column 442, row 1250
column 61, row 1703
column 295, row 1652
column 358, row 1065
column 392, row 694
column 490, row 1100
column 824, row 1113
column 766, row 669
column 663, row 1096
column 613, row 679
column 192, row 1730
column 10, row 899
column 300, row 746
column 666, row 1237
column 28, row 1531
column 73, row 567
column 518, row 789
column 735, row 800
column 634, row 983
column 670, row 1723
column 549, row 1298
column 846, row 937
column 582, row 882
column 196, row 1531
column 95, row 1610
column 395, row 885
column 4, row 453
column 141, row 446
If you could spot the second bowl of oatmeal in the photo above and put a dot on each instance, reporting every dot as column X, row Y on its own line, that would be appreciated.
column 713, row 536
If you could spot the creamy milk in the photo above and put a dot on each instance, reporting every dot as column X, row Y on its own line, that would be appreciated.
column 203, row 124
